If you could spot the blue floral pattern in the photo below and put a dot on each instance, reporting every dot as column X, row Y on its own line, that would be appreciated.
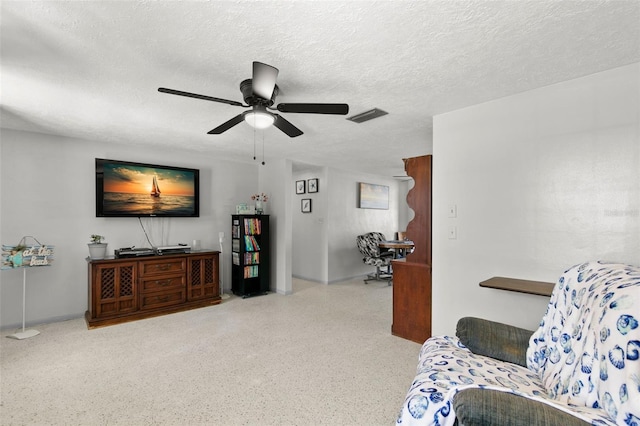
column 583, row 359
column 596, row 307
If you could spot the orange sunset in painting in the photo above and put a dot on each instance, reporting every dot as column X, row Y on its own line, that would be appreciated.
column 133, row 189
column 138, row 180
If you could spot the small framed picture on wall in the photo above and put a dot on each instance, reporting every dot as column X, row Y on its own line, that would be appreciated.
column 312, row 185
column 300, row 187
column 305, row 205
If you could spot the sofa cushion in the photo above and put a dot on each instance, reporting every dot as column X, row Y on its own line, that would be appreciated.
column 494, row 339
column 586, row 350
column 481, row 407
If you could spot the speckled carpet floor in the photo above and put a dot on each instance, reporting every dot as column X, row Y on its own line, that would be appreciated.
column 323, row 355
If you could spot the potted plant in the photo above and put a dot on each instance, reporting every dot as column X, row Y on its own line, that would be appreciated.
column 97, row 249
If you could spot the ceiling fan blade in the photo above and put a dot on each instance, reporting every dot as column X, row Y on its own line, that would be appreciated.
column 341, row 109
column 195, row 95
column 286, row 127
column 264, row 80
column 227, row 125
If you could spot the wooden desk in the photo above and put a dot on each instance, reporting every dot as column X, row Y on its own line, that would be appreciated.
column 400, row 246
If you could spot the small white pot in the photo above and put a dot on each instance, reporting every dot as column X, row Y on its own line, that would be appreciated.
column 97, row 250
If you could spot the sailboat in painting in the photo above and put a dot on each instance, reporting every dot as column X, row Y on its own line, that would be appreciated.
column 155, row 189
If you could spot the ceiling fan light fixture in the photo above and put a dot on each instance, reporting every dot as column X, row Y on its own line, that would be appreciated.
column 259, row 119
column 259, row 93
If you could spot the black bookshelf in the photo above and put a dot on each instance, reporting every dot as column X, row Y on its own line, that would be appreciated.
column 250, row 255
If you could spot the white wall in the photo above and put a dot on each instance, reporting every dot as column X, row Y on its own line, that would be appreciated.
column 310, row 251
column 345, row 221
column 275, row 180
column 324, row 241
column 48, row 191
column 405, row 214
column 542, row 180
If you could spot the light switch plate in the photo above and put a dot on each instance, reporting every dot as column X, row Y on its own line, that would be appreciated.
column 453, row 233
column 453, row 211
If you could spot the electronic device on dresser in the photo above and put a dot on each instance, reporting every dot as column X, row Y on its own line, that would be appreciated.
column 177, row 249
column 133, row 252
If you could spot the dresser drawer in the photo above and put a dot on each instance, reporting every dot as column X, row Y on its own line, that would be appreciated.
column 164, row 266
column 162, row 283
column 162, row 299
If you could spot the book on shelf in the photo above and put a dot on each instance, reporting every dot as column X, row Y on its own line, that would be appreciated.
column 250, row 243
column 236, row 258
column 251, row 271
column 252, row 226
column 235, row 245
column 252, row 258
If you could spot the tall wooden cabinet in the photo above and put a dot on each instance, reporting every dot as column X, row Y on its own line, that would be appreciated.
column 412, row 276
column 250, row 270
column 123, row 290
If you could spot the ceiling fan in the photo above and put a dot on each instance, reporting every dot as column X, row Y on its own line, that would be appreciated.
column 259, row 92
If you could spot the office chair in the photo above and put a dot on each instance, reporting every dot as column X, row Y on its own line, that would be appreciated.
column 368, row 246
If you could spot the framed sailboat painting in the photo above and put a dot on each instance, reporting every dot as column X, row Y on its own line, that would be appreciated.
column 128, row 189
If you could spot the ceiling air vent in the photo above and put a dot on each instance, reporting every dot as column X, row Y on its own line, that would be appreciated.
column 367, row 115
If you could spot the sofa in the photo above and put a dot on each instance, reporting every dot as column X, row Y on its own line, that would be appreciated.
column 581, row 366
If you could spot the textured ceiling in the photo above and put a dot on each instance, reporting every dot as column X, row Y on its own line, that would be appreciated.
column 91, row 69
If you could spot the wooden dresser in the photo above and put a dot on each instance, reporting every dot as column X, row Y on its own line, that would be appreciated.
column 129, row 289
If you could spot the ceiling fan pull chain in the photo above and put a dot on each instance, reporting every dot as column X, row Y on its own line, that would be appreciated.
column 263, row 147
column 254, row 144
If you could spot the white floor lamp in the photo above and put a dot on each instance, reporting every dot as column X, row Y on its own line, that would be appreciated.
column 22, row 256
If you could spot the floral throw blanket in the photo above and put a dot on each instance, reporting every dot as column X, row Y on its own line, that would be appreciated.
column 582, row 360
column 587, row 348
column 446, row 367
